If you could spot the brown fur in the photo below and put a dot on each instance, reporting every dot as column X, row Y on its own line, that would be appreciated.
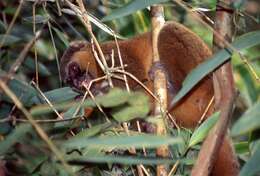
column 180, row 51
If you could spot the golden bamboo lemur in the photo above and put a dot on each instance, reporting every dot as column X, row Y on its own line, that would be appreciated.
column 180, row 51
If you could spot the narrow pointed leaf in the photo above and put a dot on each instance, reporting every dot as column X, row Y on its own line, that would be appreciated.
column 248, row 122
column 243, row 42
column 131, row 7
column 123, row 141
column 14, row 137
column 252, row 165
column 89, row 132
column 201, row 132
column 56, row 95
column 122, row 160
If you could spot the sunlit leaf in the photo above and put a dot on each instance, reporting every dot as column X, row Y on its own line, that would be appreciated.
column 242, row 147
column 203, row 130
column 89, row 132
column 38, row 19
column 97, row 22
column 124, row 160
column 115, row 97
column 137, row 106
column 248, row 83
column 123, row 141
column 248, row 122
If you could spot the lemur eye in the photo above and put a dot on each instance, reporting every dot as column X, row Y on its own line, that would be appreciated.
column 74, row 70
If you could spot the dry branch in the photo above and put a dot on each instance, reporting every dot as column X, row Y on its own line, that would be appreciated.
column 224, row 92
column 160, row 88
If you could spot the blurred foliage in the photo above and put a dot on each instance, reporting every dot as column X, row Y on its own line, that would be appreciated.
column 97, row 145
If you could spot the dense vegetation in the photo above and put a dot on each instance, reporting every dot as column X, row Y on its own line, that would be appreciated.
column 42, row 130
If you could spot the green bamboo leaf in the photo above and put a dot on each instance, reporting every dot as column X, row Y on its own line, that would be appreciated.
column 243, row 42
column 93, row 130
column 5, row 110
column 242, row 147
column 123, row 141
column 131, row 7
column 22, row 90
column 3, row 26
column 70, row 113
column 56, row 95
column 39, row 19
column 115, row 97
column 252, row 165
column 14, row 137
column 137, row 106
column 247, row 80
column 42, row 69
column 61, row 36
column 203, row 130
column 9, row 39
column 45, row 109
column 126, row 160
column 97, row 22
column 103, row 26
column 248, row 122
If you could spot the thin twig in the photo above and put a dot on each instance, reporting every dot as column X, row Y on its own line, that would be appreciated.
column 147, row 90
column 139, row 131
column 53, row 44
column 121, row 64
column 139, row 82
column 132, row 150
column 206, row 110
column 86, row 93
column 11, row 118
column 47, row 100
column 175, row 166
column 58, row 7
column 94, row 100
column 35, row 49
column 49, row 103
column 145, row 171
column 83, row 16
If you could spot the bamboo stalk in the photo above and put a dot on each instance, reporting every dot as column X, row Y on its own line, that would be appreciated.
column 160, row 82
